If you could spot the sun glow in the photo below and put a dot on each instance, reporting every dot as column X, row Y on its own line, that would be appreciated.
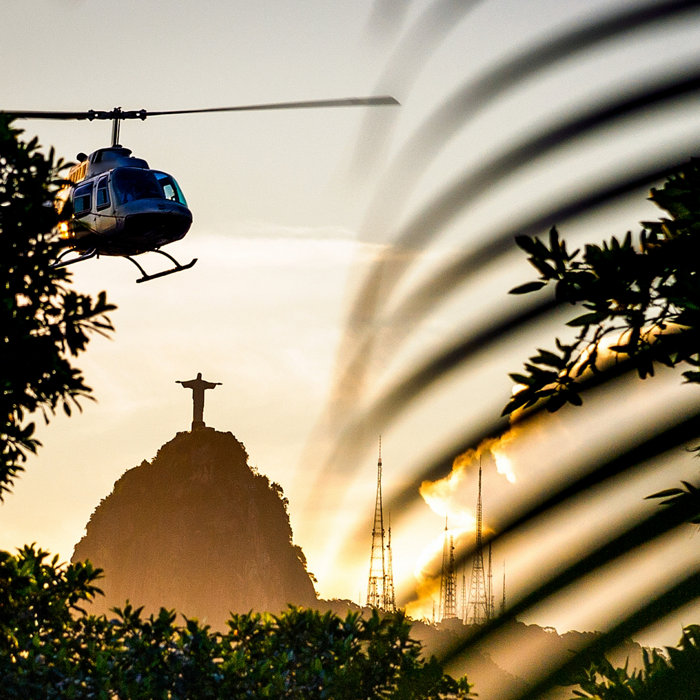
column 454, row 499
column 503, row 463
column 447, row 496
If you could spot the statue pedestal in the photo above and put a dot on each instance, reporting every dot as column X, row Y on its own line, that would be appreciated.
column 197, row 425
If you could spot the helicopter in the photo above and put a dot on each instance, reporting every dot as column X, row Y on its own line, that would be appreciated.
column 115, row 204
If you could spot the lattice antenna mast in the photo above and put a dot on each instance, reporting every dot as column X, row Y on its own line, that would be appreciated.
column 376, row 586
column 503, row 600
column 477, row 607
column 491, row 607
column 451, row 598
column 390, row 597
column 448, row 598
column 443, row 571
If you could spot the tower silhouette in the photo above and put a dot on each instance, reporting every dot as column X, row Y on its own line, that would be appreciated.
column 448, row 597
column 503, row 600
column 390, row 601
column 489, row 590
column 479, row 604
column 380, row 587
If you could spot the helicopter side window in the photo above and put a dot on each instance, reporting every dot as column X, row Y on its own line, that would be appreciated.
column 82, row 199
column 171, row 189
column 133, row 183
column 102, row 197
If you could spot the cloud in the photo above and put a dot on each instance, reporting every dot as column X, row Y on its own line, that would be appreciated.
column 266, row 229
column 447, row 496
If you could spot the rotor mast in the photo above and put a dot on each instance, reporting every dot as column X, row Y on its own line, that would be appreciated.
column 115, row 126
column 117, row 115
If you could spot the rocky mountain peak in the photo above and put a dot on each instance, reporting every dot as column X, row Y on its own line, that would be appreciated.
column 197, row 529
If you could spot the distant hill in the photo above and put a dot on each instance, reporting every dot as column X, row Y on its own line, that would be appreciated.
column 198, row 530
column 518, row 654
column 502, row 668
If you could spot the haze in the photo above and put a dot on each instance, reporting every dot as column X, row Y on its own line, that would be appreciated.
column 281, row 205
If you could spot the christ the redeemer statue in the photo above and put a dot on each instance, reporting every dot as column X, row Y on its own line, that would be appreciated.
column 198, row 386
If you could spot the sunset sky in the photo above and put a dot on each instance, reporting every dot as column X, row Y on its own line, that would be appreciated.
column 287, row 221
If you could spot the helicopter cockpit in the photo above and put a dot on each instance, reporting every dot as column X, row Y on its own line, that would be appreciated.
column 130, row 184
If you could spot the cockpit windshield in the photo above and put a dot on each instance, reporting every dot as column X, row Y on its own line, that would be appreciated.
column 171, row 190
column 130, row 184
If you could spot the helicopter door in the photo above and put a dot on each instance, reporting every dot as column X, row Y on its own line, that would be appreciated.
column 84, row 219
column 104, row 221
column 82, row 199
column 102, row 197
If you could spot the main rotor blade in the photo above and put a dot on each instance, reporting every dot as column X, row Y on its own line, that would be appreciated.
column 49, row 115
column 308, row 104
column 117, row 112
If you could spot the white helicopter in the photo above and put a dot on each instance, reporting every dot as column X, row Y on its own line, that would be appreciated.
column 115, row 204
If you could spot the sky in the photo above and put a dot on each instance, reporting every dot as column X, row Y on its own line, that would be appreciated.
column 292, row 209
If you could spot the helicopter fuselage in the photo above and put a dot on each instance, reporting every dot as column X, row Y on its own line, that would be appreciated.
column 116, row 205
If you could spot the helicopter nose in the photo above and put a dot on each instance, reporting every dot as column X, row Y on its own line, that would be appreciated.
column 158, row 227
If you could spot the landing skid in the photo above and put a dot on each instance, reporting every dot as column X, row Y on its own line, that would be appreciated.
column 178, row 267
column 83, row 256
column 145, row 277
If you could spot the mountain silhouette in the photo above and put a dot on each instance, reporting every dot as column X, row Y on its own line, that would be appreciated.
column 198, row 530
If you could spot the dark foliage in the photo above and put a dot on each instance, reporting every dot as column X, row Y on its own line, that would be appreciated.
column 673, row 674
column 641, row 301
column 50, row 648
column 45, row 324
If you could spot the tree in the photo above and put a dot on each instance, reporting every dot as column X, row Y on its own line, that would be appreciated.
column 45, row 323
column 673, row 674
column 51, row 648
column 642, row 302
column 642, row 307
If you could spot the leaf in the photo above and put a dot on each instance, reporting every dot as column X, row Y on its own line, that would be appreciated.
column 527, row 287
column 530, row 245
column 588, row 319
column 545, row 268
column 546, row 357
column 521, row 379
column 665, row 492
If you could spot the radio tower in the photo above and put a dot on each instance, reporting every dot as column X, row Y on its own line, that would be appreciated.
column 503, row 601
column 489, row 597
column 478, row 607
column 390, row 598
column 377, row 584
column 448, row 598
